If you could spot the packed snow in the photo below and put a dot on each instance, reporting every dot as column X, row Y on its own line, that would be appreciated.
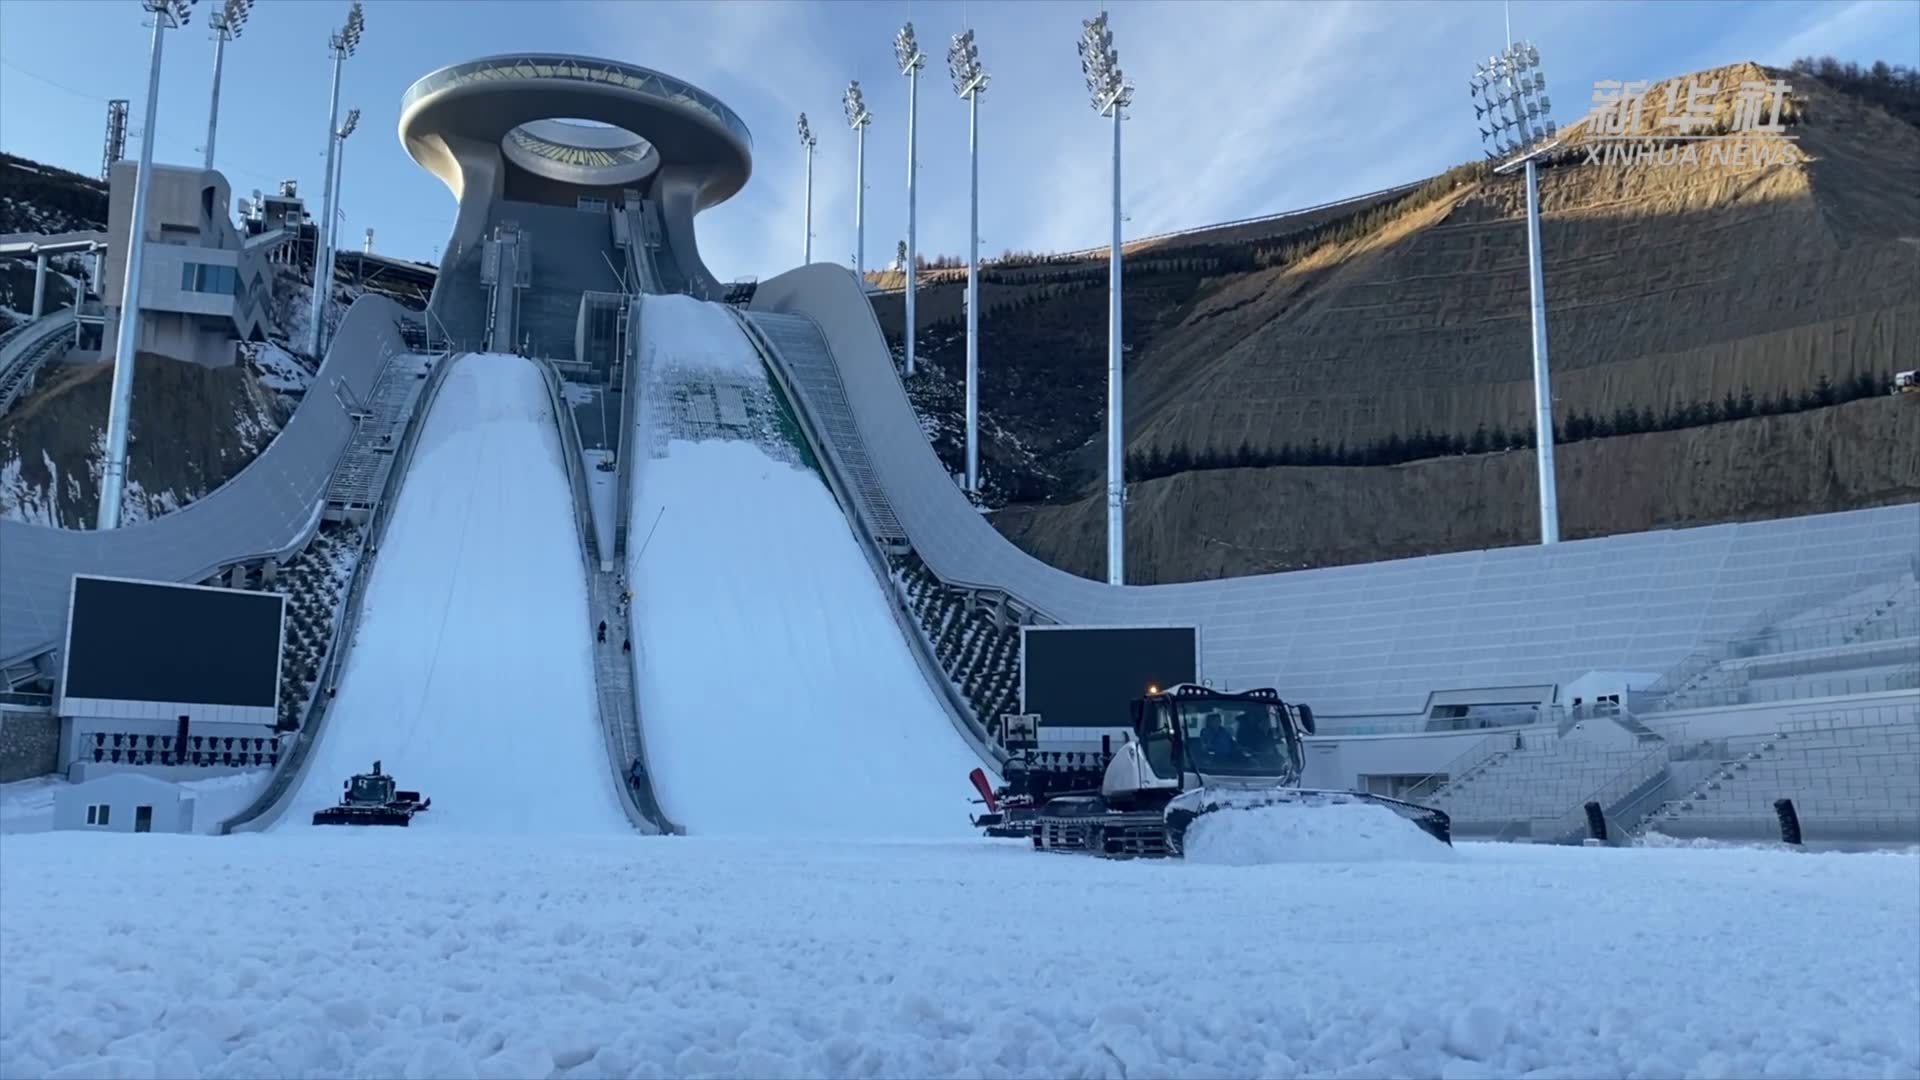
column 1343, row 832
column 471, row 677
column 777, row 692
column 398, row 953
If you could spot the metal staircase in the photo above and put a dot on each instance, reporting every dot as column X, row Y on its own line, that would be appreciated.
column 379, row 422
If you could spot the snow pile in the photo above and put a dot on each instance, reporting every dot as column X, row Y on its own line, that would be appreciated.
column 1337, row 832
column 402, row 953
column 777, row 692
column 471, row 677
column 278, row 370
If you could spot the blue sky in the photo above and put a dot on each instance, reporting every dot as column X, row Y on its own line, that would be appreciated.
column 1244, row 107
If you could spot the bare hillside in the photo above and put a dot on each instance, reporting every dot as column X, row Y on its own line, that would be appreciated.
column 1226, row 522
column 193, row 428
column 1668, row 285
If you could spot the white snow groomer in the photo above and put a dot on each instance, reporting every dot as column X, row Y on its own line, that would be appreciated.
column 370, row 799
column 1193, row 750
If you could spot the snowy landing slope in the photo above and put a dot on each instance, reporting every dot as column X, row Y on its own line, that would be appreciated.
column 584, row 957
column 471, row 677
column 777, row 694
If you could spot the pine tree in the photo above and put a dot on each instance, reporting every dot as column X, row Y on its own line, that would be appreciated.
column 1478, row 443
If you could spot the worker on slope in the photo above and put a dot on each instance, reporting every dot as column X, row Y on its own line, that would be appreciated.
column 603, row 630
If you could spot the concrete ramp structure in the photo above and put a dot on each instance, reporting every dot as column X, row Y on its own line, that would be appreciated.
column 506, row 133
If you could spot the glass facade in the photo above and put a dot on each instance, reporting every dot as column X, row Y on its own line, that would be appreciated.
column 205, row 278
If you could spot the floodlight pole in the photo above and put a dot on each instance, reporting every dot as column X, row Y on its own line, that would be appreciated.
column 1534, row 141
column 973, row 291
column 806, row 254
column 113, row 473
column 336, row 183
column 807, row 142
column 323, row 233
column 860, row 204
column 907, row 52
column 213, row 110
column 1542, row 392
column 913, row 161
column 1116, row 427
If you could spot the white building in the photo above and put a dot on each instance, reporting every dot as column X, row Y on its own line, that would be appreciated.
column 124, row 802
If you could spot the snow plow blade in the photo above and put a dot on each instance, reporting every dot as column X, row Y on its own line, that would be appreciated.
column 340, row 815
column 1190, row 806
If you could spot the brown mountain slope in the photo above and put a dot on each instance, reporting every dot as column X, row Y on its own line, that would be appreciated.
column 192, row 429
column 1665, row 284
column 1226, row 522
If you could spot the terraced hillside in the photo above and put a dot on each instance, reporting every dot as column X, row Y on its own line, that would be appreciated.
column 1676, row 292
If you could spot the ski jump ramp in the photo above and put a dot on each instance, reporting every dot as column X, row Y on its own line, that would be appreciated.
column 472, row 674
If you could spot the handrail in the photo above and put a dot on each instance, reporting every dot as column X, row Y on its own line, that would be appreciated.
column 1431, row 784
column 25, row 347
column 271, row 804
column 1712, row 653
column 958, row 709
column 643, row 807
column 570, row 449
column 1611, row 790
column 623, row 451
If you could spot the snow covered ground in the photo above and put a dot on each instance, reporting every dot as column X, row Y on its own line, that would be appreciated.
column 402, row 953
column 471, row 677
column 777, row 693
column 27, row 805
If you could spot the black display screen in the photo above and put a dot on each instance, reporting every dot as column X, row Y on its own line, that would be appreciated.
column 1087, row 676
column 152, row 641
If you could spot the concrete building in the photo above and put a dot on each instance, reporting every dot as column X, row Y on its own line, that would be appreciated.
column 206, row 285
column 124, row 802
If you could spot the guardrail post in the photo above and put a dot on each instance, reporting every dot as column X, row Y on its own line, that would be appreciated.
column 1789, row 821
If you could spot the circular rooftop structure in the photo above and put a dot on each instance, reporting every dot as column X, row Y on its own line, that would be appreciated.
column 641, row 128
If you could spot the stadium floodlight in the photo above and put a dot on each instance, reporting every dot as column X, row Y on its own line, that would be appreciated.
column 808, row 140
column 906, row 52
column 970, row 81
column 1511, row 90
column 855, row 106
column 347, row 127
column 226, row 25
column 167, row 15
column 1110, row 92
column 341, row 43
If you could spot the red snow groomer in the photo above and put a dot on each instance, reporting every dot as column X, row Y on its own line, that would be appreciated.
column 1190, row 751
column 370, row 799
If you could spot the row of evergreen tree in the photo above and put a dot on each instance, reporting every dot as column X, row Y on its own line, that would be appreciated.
column 1399, row 449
